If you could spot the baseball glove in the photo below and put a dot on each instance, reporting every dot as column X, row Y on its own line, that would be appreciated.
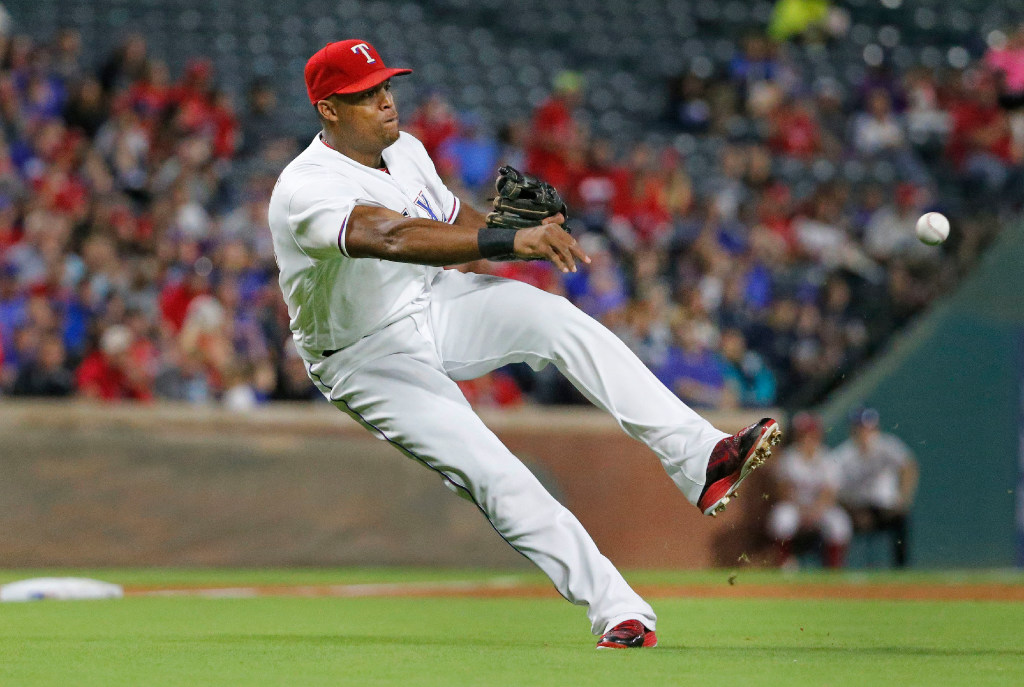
column 523, row 200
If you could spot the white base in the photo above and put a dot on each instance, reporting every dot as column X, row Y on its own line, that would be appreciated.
column 60, row 588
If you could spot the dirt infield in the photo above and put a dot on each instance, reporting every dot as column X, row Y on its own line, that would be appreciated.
column 502, row 588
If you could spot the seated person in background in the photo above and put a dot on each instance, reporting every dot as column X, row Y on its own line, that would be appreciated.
column 692, row 369
column 746, row 375
column 878, row 480
column 807, row 482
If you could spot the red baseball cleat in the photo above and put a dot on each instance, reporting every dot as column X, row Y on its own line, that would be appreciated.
column 629, row 634
column 733, row 459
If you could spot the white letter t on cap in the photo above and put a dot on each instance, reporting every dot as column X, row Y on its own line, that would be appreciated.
column 365, row 49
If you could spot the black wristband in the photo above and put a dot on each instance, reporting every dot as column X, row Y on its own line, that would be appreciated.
column 494, row 242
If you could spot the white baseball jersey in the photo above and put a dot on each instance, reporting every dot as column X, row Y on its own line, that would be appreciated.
column 872, row 478
column 809, row 478
column 400, row 335
column 334, row 300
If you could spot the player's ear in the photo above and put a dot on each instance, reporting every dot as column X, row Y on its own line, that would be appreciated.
column 327, row 110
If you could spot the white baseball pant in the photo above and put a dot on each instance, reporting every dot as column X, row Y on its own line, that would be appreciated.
column 834, row 524
column 399, row 383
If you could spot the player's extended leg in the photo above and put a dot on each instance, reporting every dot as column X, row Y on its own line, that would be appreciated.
column 393, row 383
column 485, row 322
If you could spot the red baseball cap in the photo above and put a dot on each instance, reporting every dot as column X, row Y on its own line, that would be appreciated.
column 346, row 67
column 806, row 422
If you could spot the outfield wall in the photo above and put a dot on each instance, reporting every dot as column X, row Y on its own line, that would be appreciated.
column 173, row 485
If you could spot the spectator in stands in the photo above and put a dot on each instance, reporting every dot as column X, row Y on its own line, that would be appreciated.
column 598, row 288
column 126, row 65
column 880, row 135
column 927, row 122
column 183, row 376
column 86, row 109
column 981, row 143
column 148, row 95
column 46, row 374
column 67, row 54
column 692, row 368
column 878, row 481
column 555, row 131
column 602, row 190
column 757, row 63
column 1006, row 61
column 877, row 130
column 806, row 485
column 262, row 122
column 890, row 230
column 473, row 154
column 829, row 102
column 645, row 327
column 433, row 122
column 818, row 229
column 748, row 381
column 108, row 205
column 688, row 105
column 111, row 372
column 795, row 130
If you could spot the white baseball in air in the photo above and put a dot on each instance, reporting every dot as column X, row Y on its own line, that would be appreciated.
column 932, row 228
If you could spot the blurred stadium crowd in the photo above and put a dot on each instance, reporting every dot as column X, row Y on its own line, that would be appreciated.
column 753, row 255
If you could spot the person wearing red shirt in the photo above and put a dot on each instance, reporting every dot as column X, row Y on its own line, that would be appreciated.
column 204, row 110
column 796, row 131
column 555, row 132
column 775, row 213
column 434, row 123
column 602, row 189
column 148, row 96
column 981, row 143
column 111, row 373
column 225, row 126
column 176, row 297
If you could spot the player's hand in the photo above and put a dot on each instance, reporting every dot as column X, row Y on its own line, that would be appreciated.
column 550, row 242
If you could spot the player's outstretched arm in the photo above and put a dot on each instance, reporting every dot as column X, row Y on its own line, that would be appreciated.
column 541, row 242
column 375, row 232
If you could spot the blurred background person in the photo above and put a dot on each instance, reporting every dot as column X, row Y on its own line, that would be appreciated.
column 112, row 372
column 878, row 480
column 806, row 484
column 46, row 373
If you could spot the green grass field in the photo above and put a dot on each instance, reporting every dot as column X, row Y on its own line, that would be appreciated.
column 282, row 640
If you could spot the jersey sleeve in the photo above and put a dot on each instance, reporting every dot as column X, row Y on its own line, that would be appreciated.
column 897, row 452
column 450, row 203
column 318, row 214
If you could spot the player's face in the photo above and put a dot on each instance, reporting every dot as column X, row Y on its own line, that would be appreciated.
column 369, row 117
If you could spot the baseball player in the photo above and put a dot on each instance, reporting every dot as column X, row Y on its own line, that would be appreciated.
column 879, row 477
column 808, row 482
column 361, row 224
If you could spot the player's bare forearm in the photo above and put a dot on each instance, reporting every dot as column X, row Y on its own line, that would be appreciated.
column 375, row 232
column 543, row 241
column 470, row 217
